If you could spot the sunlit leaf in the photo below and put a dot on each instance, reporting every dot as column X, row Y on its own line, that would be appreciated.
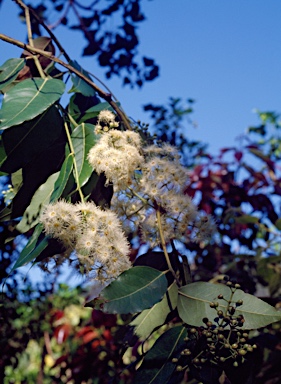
column 61, row 181
column 157, row 366
column 41, row 197
column 247, row 219
column 194, row 305
column 95, row 110
column 134, row 290
column 28, row 99
column 83, row 139
column 149, row 319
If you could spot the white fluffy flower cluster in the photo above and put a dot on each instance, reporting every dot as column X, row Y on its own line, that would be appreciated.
column 96, row 236
column 117, row 154
column 147, row 180
column 106, row 121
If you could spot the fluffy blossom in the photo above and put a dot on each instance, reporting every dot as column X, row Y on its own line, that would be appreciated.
column 96, row 236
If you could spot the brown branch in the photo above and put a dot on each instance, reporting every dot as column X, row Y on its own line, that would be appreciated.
column 41, row 22
column 100, row 92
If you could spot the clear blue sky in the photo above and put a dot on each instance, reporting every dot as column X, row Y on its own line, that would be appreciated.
column 224, row 54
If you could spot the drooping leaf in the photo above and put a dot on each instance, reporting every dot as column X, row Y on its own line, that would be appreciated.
column 41, row 197
column 269, row 269
column 134, row 290
column 194, row 304
column 23, row 142
column 9, row 71
column 157, row 366
column 83, row 139
column 149, row 319
column 28, row 99
column 80, row 85
column 61, row 181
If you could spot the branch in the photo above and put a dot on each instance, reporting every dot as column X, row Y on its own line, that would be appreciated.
column 100, row 92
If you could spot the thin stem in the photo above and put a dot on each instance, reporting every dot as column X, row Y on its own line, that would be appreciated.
column 30, row 40
column 100, row 92
column 158, row 214
column 41, row 22
column 74, row 162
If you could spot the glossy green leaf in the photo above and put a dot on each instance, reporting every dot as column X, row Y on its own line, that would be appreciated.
column 149, row 319
column 23, row 142
column 83, row 139
column 157, row 366
column 134, row 290
column 9, row 71
column 32, row 248
column 28, row 99
column 80, row 85
column 41, row 197
column 63, row 178
column 194, row 304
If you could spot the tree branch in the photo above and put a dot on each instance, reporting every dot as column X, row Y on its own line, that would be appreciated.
column 100, row 92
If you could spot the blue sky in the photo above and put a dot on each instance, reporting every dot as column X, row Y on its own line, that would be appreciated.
column 224, row 54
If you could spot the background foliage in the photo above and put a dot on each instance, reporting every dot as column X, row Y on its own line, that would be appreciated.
column 54, row 336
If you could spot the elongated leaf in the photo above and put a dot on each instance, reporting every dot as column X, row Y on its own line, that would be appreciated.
column 149, row 319
column 134, row 290
column 31, row 250
column 247, row 219
column 41, row 197
column 80, row 85
column 61, row 181
column 9, row 71
column 28, row 99
column 194, row 304
column 157, row 366
column 83, row 139
column 23, row 142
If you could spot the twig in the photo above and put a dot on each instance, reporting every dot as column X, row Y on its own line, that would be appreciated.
column 49, row 55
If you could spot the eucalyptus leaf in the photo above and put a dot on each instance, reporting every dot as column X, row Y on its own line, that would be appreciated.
column 63, row 178
column 41, row 197
column 149, row 319
column 28, row 99
column 95, row 110
column 83, row 139
column 194, row 304
column 23, row 142
column 134, row 290
column 157, row 366
column 9, row 71
column 80, row 85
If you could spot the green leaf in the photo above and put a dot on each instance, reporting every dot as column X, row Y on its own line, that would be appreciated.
column 269, row 269
column 83, row 139
column 80, row 85
column 32, row 248
column 62, row 180
column 40, row 198
column 194, row 304
column 134, row 290
column 247, row 219
column 23, row 142
column 95, row 110
column 149, row 319
column 28, row 99
column 9, row 71
column 157, row 366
